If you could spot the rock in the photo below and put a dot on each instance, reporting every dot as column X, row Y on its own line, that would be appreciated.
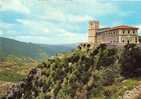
column 133, row 94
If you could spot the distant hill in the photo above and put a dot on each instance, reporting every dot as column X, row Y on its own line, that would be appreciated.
column 17, row 48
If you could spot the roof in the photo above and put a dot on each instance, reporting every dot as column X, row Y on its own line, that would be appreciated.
column 124, row 27
column 101, row 29
column 116, row 28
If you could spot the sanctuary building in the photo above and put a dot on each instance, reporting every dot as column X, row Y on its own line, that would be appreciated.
column 118, row 35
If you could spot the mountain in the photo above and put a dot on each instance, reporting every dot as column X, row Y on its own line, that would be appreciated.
column 100, row 73
column 17, row 48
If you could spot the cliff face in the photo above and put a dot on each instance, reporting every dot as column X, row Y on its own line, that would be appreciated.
column 89, row 73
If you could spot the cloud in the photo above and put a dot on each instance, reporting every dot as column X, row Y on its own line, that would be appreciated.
column 15, row 5
column 1, row 32
column 42, row 32
column 35, row 26
column 77, row 11
column 59, row 16
column 79, row 19
column 5, row 27
column 91, row 7
column 139, row 26
column 43, row 28
column 64, row 39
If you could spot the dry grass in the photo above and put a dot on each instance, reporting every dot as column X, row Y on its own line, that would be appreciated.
column 4, row 87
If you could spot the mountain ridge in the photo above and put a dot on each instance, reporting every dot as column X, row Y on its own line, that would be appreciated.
column 18, row 48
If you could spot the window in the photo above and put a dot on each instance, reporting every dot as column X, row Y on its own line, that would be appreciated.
column 91, row 23
column 136, row 39
column 116, row 32
column 123, row 31
column 133, row 31
column 128, row 31
column 128, row 41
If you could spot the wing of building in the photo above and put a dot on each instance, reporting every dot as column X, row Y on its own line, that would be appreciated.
column 118, row 35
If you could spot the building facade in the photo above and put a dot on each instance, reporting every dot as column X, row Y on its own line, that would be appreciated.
column 119, row 35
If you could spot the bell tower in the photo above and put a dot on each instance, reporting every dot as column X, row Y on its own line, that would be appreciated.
column 92, row 29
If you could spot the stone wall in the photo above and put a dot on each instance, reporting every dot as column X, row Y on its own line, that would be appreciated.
column 128, row 36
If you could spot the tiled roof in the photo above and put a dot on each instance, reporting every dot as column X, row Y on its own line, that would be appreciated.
column 124, row 27
column 116, row 28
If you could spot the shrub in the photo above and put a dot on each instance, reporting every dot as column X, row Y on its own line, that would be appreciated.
column 131, row 64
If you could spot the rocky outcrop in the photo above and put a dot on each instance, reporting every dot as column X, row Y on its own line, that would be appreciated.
column 134, row 93
column 4, row 87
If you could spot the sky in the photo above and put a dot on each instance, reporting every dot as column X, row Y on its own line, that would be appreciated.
column 63, row 21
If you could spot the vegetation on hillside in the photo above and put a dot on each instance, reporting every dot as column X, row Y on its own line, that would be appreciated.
column 14, row 69
column 99, row 73
column 36, row 51
column 131, row 61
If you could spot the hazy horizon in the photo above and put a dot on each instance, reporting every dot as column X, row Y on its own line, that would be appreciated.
column 41, row 43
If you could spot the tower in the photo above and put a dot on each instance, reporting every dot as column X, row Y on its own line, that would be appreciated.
column 92, row 29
